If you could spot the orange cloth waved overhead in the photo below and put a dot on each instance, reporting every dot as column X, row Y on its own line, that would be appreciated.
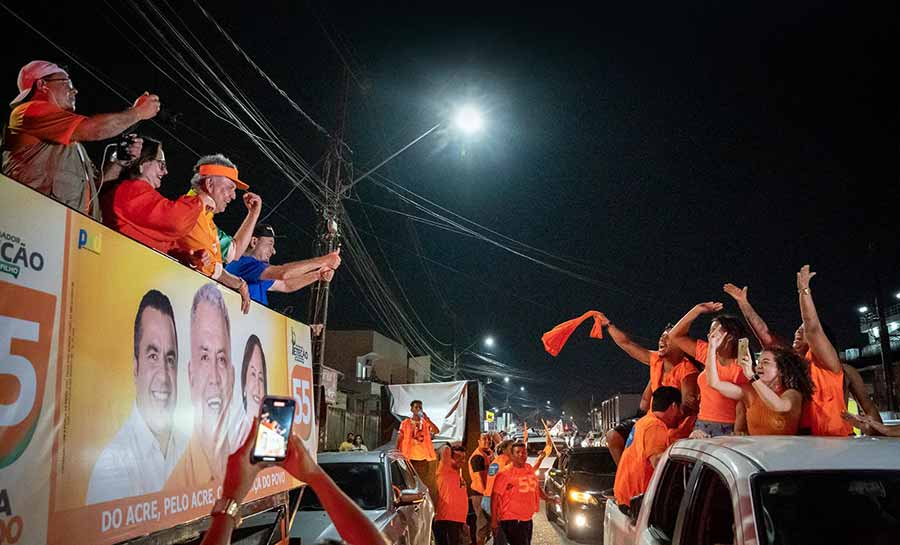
column 556, row 338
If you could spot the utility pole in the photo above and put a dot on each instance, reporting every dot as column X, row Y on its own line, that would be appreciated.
column 887, row 363
column 328, row 239
column 884, row 337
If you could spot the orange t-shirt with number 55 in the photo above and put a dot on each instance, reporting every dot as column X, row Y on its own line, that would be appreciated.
column 516, row 492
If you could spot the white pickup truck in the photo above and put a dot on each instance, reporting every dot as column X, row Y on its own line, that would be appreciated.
column 766, row 491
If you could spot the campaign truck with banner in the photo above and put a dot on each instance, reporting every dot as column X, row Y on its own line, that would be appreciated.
column 125, row 382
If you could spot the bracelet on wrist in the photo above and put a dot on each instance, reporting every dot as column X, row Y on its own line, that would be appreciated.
column 803, row 291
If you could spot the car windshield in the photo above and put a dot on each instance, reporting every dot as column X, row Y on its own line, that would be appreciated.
column 846, row 506
column 592, row 462
column 364, row 483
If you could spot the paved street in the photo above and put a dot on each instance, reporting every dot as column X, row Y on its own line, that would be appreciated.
column 548, row 533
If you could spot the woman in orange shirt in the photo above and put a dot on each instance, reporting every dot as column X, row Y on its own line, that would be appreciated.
column 777, row 388
column 717, row 412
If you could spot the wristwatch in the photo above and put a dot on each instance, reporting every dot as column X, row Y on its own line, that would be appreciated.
column 754, row 378
column 230, row 507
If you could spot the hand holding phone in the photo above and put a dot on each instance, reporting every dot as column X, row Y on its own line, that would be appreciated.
column 744, row 360
column 276, row 419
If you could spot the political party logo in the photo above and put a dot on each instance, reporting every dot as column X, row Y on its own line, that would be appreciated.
column 26, row 332
column 90, row 242
column 298, row 351
column 16, row 256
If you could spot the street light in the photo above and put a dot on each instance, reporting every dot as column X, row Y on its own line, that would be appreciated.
column 521, row 388
column 506, row 379
column 469, row 120
column 897, row 295
column 863, row 309
column 489, row 341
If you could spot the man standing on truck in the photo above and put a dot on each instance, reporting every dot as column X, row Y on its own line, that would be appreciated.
column 414, row 441
column 651, row 439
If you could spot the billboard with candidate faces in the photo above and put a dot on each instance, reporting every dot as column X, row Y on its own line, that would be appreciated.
column 126, row 380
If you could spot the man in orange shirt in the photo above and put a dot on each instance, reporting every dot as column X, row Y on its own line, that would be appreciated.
column 452, row 497
column 414, row 441
column 651, row 439
column 515, row 498
column 42, row 143
column 668, row 367
column 215, row 181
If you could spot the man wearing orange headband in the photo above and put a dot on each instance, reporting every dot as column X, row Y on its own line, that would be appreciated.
column 206, row 247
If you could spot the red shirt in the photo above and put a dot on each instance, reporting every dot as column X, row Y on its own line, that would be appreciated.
column 135, row 209
column 516, row 493
column 453, row 497
column 714, row 407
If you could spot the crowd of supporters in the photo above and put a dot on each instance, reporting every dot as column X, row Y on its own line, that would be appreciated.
column 706, row 388
column 42, row 148
column 697, row 388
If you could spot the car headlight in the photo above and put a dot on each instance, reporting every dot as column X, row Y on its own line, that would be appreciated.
column 578, row 496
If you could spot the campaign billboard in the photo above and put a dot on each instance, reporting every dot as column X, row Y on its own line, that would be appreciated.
column 126, row 379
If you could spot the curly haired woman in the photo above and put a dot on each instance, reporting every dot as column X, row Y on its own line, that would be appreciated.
column 778, row 386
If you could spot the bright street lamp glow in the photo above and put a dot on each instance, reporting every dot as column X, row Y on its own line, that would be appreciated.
column 505, row 379
column 521, row 388
column 863, row 310
column 489, row 342
column 469, row 120
column 897, row 295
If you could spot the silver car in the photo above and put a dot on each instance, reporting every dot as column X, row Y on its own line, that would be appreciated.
column 386, row 488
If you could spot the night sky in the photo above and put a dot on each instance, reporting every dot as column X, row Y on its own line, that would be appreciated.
column 659, row 151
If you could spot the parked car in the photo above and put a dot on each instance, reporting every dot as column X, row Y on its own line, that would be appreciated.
column 574, row 489
column 386, row 488
column 766, row 491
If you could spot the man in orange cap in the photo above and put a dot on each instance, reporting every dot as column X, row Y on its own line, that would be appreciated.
column 206, row 247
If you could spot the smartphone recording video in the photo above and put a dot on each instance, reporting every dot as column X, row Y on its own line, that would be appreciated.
column 276, row 417
column 743, row 348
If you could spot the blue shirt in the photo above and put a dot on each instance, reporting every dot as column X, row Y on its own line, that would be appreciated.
column 249, row 268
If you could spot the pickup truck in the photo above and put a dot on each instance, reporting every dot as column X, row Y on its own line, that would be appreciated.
column 766, row 491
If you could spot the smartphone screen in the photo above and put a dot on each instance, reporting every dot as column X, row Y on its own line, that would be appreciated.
column 276, row 417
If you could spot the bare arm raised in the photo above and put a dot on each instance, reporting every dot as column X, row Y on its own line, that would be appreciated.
column 624, row 342
column 826, row 355
column 757, row 324
column 679, row 332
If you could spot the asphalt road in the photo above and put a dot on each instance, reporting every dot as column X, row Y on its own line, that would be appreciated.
column 548, row 533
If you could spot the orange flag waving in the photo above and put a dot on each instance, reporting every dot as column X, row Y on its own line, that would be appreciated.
column 556, row 338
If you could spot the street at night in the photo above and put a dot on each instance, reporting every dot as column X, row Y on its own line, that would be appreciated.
column 393, row 273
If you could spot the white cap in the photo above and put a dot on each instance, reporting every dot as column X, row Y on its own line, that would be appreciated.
column 32, row 72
